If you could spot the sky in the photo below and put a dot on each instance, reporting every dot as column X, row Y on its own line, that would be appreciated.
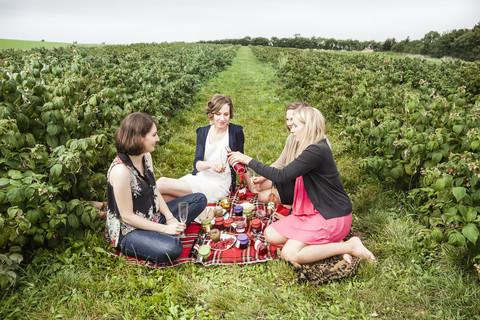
column 135, row 21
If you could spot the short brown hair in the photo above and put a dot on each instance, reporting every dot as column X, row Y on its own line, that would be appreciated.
column 128, row 138
column 216, row 103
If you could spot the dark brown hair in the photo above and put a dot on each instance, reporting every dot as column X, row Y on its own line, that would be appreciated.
column 216, row 103
column 128, row 138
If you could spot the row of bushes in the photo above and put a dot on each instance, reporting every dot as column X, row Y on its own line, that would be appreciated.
column 58, row 111
column 415, row 123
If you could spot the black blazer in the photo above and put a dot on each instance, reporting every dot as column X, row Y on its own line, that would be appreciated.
column 236, row 140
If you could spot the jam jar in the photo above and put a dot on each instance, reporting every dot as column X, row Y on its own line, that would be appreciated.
column 256, row 226
column 238, row 211
column 206, row 225
column 204, row 253
column 242, row 241
column 219, row 221
column 227, row 225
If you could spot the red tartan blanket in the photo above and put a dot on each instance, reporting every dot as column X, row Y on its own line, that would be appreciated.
column 230, row 256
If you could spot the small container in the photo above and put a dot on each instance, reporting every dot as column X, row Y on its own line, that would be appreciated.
column 204, row 253
column 242, row 241
column 215, row 235
column 206, row 225
column 256, row 226
column 225, row 203
column 240, row 226
column 261, row 247
column 219, row 223
column 248, row 213
column 238, row 210
column 227, row 225
column 218, row 211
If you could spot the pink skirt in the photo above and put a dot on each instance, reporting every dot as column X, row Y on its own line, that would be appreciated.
column 314, row 229
column 307, row 225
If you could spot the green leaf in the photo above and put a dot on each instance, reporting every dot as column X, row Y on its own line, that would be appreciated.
column 16, row 195
column 475, row 144
column 73, row 221
column 437, row 235
column 440, row 184
column 459, row 193
column 15, row 174
column 458, row 129
column 4, row 182
column 456, row 239
column 56, row 170
column 470, row 231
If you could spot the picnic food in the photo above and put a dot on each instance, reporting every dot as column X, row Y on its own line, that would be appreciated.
column 215, row 235
column 225, row 203
column 218, row 211
column 204, row 253
column 223, row 244
column 206, row 225
column 242, row 241
column 238, row 211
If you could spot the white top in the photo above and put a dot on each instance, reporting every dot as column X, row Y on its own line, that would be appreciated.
column 213, row 185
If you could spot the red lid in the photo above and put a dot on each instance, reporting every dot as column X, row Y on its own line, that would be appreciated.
column 255, row 223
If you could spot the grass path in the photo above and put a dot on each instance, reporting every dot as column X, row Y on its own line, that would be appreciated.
column 253, row 88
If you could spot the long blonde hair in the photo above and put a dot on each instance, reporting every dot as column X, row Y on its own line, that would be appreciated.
column 314, row 130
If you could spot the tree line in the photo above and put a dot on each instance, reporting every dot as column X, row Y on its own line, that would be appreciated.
column 461, row 44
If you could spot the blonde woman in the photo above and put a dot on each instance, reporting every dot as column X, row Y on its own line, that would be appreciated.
column 322, row 212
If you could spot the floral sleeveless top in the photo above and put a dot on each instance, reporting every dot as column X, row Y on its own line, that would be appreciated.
column 144, row 196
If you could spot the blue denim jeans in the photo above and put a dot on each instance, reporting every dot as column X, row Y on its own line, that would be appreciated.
column 152, row 245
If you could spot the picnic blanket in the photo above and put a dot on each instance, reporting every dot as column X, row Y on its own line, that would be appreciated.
column 230, row 256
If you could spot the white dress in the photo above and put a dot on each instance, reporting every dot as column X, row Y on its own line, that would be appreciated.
column 213, row 185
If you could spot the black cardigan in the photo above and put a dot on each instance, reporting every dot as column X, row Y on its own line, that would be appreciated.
column 320, row 176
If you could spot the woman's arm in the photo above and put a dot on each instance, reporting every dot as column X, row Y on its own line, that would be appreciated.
column 163, row 208
column 308, row 160
column 120, row 180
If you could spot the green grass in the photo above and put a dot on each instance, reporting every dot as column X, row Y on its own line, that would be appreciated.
column 411, row 281
column 27, row 44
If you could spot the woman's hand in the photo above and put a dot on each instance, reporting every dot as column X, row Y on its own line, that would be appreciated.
column 278, row 216
column 175, row 228
column 257, row 181
column 237, row 156
column 217, row 166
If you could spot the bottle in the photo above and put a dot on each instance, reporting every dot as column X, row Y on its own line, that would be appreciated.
column 242, row 189
column 196, row 244
column 261, row 247
column 237, row 166
column 272, row 202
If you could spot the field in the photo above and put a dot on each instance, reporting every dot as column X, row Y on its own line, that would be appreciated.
column 25, row 44
column 68, row 104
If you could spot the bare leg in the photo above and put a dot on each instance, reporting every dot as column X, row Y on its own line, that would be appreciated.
column 273, row 237
column 173, row 188
column 300, row 252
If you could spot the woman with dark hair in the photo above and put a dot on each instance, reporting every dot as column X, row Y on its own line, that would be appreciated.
column 321, row 212
column 139, row 221
column 211, row 173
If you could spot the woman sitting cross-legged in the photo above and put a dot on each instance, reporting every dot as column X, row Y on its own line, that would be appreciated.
column 211, row 173
column 321, row 212
column 138, row 219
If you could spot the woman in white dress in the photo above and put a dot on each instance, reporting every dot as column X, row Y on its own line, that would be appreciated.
column 212, row 174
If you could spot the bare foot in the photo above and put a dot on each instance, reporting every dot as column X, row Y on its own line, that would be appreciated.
column 347, row 258
column 360, row 251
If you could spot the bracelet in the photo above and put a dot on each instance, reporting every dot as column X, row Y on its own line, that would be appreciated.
column 170, row 218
